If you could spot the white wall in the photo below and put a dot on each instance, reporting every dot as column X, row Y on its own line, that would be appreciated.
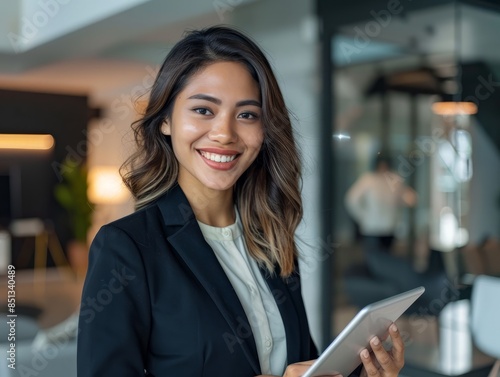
column 110, row 141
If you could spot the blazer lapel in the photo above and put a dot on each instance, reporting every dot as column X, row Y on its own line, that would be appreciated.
column 288, row 311
column 199, row 257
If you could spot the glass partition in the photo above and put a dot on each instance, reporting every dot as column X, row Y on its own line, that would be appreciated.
column 398, row 75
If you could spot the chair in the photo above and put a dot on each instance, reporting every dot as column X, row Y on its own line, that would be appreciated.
column 485, row 324
column 46, row 242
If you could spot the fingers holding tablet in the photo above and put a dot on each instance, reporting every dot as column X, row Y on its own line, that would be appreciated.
column 398, row 346
column 381, row 362
column 373, row 321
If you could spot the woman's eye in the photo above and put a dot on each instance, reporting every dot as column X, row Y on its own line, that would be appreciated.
column 202, row 111
column 249, row 116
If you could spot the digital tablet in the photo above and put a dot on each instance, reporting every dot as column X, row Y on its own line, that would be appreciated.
column 343, row 354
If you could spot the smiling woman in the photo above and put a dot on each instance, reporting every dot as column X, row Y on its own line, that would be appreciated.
column 216, row 137
column 220, row 85
column 210, row 249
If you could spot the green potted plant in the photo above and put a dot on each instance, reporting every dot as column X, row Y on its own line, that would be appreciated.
column 71, row 194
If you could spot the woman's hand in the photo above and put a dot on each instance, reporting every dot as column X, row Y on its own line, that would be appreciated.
column 379, row 363
column 382, row 363
column 298, row 369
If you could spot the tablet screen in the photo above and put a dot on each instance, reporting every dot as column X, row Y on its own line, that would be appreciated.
column 342, row 355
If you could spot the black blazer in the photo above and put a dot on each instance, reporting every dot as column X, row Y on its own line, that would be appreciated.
column 156, row 302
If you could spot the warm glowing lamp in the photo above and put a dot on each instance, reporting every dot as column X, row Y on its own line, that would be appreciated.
column 106, row 186
column 451, row 108
column 26, row 142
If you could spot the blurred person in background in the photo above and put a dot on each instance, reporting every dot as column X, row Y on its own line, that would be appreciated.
column 374, row 202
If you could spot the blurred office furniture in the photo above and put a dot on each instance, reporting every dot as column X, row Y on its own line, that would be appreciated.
column 482, row 258
column 46, row 243
column 382, row 275
column 5, row 251
column 44, row 353
column 485, row 326
column 46, row 327
column 26, row 328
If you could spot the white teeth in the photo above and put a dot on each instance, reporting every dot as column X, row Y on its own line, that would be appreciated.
column 217, row 157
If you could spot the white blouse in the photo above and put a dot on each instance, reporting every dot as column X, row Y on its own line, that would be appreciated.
column 253, row 292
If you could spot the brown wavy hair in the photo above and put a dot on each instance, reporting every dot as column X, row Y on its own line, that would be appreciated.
column 267, row 194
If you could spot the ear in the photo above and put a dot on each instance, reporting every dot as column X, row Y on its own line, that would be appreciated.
column 165, row 128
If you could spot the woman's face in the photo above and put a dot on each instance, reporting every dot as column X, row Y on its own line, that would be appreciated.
column 216, row 127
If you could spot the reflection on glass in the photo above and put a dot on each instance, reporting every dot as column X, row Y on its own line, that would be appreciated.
column 341, row 136
column 385, row 100
column 456, row 342
column 452, row 172
column 448, row 226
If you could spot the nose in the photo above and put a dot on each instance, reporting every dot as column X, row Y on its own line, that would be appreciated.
column 223, row 130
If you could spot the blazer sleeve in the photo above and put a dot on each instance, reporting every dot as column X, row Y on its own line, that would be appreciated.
column 115, row 312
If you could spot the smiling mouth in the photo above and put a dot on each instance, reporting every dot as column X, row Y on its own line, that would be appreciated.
column 218, row 157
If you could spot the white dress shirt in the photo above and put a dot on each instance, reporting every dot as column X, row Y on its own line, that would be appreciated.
column 253, row 292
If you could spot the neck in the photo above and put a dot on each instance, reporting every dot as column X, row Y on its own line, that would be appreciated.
column 211, row 207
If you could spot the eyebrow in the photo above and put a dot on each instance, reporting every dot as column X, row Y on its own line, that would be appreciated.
column 217, row 101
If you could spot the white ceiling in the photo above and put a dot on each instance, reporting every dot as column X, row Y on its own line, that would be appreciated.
column 113, row 52
column 432, row 31
column 31, row 23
